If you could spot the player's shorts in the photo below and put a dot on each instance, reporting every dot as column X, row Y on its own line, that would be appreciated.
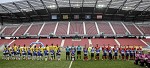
column 34, row 54
column 110, row 54
column 85, row 55
column 92, row 54
column 41, row 54
column 97, row 54
column 122, row 54
column 57, row 54
column 115, row 54
column 67, row 53
column 15, row 53
column 78, row 52
column 127, row 54
column 30, row 54
column 46, row 54
column 23, row 53
column 131, row 54
column 104, row 54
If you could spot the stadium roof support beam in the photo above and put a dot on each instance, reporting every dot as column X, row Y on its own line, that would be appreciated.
column 23, row 12
column 107, row 7
column 48, row 12
column 10, row 12
column 70, row 9
column 1, row 20
column 58, row 7
column 95, row 7
column 82, row 7
column 33, row 9
column 130, row 11
column 119, row 8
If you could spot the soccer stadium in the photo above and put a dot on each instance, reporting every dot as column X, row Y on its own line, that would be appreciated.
column 74, row 33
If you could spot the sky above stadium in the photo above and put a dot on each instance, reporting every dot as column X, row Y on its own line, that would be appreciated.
column 5, row 1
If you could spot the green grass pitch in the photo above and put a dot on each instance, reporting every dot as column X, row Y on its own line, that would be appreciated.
column 65, row 64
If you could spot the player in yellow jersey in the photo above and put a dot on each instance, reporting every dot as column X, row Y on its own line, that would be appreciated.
column 9, row 49
column 15, row 51
column 42, row 52
column 18, row 53
column 29, row 51
column 35, row 49
column 48, row 49
column 4, row 53
column 24, row 52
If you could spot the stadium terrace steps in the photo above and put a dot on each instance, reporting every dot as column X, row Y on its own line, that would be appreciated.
column 21, row 30
column 82, row 42
column 76, row 27
column 28, row 29
column 112, row 28
column 97, row 28
column 16, row 30
column 48, row 28
column 105, row 28
column 119, row 28
column 138, row 29
column 35, row 28
column 41, row 28
column 68, row 30
column 56, row 28
column 8, row 31
column 102, row 42
column 2, row 29
column 145, row 29
column 131, row 42
column 21, row 42
column 126, row 28
column 91, row 28
column 133, row 30
column 84, row 29
column 62, row 28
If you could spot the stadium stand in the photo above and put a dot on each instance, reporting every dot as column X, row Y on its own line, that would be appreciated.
column 8, row 31
column 105, row 28
column 145, row 28
column 62, row 28
column 48, row 28
column 91, row 28
column 35, row 28
column 76, row 26
column 132, row 29
column 21, row 30
column 119, row 29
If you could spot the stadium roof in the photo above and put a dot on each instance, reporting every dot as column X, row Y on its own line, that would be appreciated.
column 126, row 9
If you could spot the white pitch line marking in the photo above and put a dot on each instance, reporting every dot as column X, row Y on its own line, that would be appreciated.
column 70, row 64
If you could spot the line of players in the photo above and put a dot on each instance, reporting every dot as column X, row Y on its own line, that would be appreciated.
column 124, row 53
column 34, row 53
column 49, row 52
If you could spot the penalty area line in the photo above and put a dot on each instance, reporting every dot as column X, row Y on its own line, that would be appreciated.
column 70, row 64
